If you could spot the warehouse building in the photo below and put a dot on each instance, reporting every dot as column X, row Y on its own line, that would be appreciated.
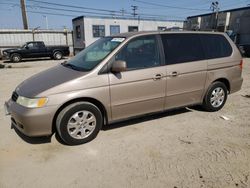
column 237, row 21
column 88, row 29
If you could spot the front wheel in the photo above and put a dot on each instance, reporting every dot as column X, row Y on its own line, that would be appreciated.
column 216, row 97
column 79, row 123
column 15, row 58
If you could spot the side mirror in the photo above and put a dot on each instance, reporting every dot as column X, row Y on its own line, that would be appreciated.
column 119, row 66
column 26, row 47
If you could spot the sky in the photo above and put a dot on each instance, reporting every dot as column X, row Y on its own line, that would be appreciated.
column 40, row 10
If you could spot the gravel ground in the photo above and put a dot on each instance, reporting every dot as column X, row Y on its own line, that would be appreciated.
column 181, row 148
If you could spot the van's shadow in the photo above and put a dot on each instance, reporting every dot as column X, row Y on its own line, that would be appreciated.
column 133, row 122
column 149, row 117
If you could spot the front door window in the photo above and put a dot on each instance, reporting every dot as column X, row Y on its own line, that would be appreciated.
column 140, row 53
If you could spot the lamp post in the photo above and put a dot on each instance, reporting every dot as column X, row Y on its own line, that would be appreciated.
column 46, row 21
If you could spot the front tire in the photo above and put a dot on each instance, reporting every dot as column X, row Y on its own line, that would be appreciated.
column 79, row 123
column 216, row 97
column 15, row 58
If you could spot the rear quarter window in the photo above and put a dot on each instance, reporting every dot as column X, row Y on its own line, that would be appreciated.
column 215, row 46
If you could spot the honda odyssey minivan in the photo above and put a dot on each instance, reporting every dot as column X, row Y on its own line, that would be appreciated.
column 127, row 75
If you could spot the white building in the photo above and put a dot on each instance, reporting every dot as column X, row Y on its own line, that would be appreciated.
column 88, row 29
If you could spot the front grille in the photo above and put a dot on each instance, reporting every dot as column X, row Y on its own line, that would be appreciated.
column 14, row 96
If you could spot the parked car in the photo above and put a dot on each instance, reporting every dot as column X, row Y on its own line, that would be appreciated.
column 124, row 76
column 245, row 49
column 35, row 50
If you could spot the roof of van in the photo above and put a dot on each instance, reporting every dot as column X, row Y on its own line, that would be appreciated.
column 130, row 34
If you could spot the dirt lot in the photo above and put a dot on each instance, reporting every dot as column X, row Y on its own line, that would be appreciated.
column 181, row 148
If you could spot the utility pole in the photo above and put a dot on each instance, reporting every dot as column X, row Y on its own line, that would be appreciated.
column 215, row 8
column 134, row 9
column 122, row 11
column 24, row 15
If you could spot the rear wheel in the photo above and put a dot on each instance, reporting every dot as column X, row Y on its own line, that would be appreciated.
column 15, row 58
column 216, row 97
column 57, row 55
column 79, row 123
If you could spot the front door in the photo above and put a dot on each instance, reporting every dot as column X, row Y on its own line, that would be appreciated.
column 140, row 89
column 32, row 50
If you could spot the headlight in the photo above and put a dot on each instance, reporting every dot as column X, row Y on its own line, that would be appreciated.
column 32, row 103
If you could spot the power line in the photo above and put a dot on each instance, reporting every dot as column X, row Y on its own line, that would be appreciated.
column 122, row 12
column 49, row 13
column 72, row 6
column 143, row 15
column 70, row 10
column 167, row 6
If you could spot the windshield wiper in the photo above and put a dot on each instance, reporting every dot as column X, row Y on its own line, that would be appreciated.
column 70, row 66
column 65, row 64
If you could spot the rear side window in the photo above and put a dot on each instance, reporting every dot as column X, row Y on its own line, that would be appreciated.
column 181, row 48
column 215, row 46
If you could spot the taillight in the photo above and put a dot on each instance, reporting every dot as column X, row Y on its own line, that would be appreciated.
column 241, row 64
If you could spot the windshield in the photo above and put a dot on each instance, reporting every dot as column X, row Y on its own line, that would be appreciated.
column 91, row 56
column 23, row 46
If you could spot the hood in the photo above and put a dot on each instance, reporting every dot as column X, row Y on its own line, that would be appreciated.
column 11, row 49
column 48, row 82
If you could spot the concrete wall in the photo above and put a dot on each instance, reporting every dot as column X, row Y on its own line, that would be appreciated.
column 143, row 25
column 16, row 38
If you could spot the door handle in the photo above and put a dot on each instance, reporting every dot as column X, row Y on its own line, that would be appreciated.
column 174, row 74
column 157, row 77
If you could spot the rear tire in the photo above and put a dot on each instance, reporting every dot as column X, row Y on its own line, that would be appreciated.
column 58, row 55
column 216, row 97
column 79, row 123
column 15, row 58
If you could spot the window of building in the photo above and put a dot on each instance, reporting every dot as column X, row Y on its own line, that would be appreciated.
column 114, row 29
column 78, row 32
column 215, row 46
column 133, row 28
column 140, row 53
column 181, row 48
column 162, row 28
column 98, row 30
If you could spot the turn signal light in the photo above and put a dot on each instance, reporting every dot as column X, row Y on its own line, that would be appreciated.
column 241, row 64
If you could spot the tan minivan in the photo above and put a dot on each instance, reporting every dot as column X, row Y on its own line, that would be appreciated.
column 123, row 76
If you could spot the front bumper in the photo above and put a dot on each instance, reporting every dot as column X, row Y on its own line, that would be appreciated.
column 5, row 56
column 31, row 121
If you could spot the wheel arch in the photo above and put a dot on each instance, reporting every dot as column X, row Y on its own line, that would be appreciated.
column 96, row 102
column 224, row 81
column 15, row 53
column 57, row 50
